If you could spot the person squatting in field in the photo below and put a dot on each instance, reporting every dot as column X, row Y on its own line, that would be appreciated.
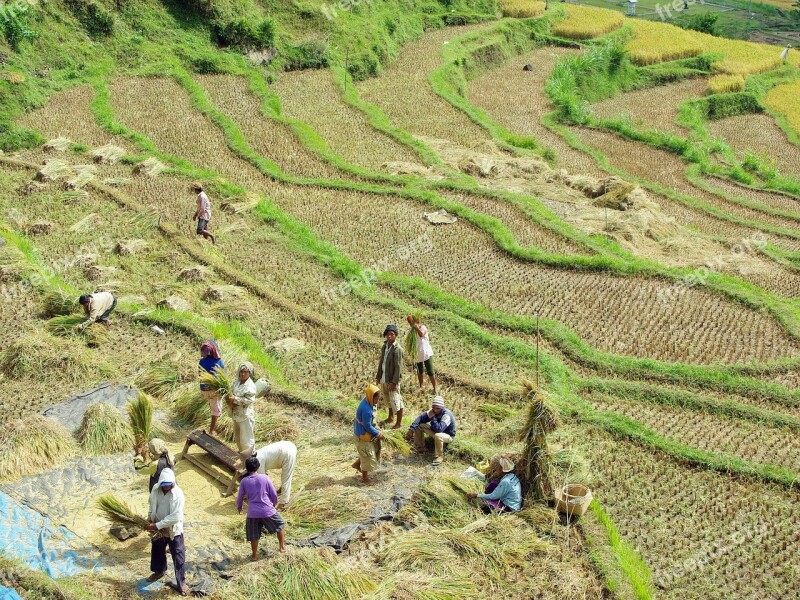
column 438, row 423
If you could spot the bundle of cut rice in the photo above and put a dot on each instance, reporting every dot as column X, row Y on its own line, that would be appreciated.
column 104, row 430
column 33, row 444
column 108, row 154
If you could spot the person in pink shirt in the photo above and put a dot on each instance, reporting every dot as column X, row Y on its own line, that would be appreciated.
column 261, row 512
column 203, row 214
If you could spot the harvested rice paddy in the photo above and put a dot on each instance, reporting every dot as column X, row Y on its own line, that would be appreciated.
column 680, row 414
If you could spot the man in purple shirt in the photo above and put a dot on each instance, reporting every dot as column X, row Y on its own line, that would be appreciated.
column 261, row 501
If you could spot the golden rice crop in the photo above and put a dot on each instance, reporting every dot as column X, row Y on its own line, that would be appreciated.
column 33, row 444
column 585, row 22
column 785, row 99
column 120, row 513
column 104, row 430
column 725, row 84
column 521, row 9
column 659, row 42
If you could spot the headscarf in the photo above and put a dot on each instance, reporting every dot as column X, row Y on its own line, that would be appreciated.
column 390, row 328
column 506, row 464
column 157, row 447
column 370, row 392
column 246, row 365
column 438, row 401
column 211, row 347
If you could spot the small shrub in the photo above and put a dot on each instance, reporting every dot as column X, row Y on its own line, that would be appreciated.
column 311, row 54
column 704, row 23
column 15, row 26
column 96, row 20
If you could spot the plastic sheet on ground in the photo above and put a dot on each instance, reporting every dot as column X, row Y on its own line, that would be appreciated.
column 34, row 540
column 9, row 594
column 339, row 537
column 70, row 413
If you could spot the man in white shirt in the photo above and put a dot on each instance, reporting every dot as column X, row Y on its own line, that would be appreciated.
column 203, row 214
column 166, row 516
column 283, row 456
column 98, row 307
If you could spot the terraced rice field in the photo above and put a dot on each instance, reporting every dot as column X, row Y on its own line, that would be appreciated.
column 759, row 135
column 654, row 108
column 275, row 273
column 312, row 97
column 403, row 93
column 491, row 91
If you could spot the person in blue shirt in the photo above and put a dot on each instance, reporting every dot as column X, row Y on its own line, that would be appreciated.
column 365, row 434
column 439, row 423
column 210, row 361
column 504, row 492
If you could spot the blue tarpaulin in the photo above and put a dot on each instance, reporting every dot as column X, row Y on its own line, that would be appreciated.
column 8, row 594
column 36, row 541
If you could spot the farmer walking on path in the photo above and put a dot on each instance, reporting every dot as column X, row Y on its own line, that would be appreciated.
column 210, row 361
column 366, row 434
column 438, row 423
column 97, row 306
column 261, row 513
column 243, row 397
column 203, row 214
column 390, row 368
column 166, row 516
column 424, row 357
column 283, row 456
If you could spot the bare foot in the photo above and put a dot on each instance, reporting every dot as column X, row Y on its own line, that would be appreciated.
column 254, row 558
column 397, row 426
column 282, row 550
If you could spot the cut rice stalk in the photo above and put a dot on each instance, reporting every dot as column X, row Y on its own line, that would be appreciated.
column 140, row 414
column 152, row 167
column 53, row 169
column 394, row 439
column 33, row 444
column 59, row 144
column 495, row 411
column 85, row 224
column 104, row 430
column 57, row 303
column 108, row 154
column 120, row 513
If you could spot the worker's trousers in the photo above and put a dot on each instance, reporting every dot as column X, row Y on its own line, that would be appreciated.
column 158, row 557
column 439, row 439
column 245, row 437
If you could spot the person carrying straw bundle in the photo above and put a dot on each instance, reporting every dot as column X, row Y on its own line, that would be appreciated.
column 261, row 513
column 160, row 458
column 439, row 423
column 97, row 306
column 241, row 402
column 283, row 456
column 166, row 515
column 504, row 491
column 210, row 361
column 365, row 434
column 390, row 369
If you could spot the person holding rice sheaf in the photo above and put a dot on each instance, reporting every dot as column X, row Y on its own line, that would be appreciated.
column 261, row 513
column 390, row 369
column 504, row 492
column 97, row 306
column 283, row 456
column 210, row 362
column 166, row 515
column 424, row 357
column 203, row 213
column 439, row 423
column 160, row 458
column 366, row 434
column 241, row 401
